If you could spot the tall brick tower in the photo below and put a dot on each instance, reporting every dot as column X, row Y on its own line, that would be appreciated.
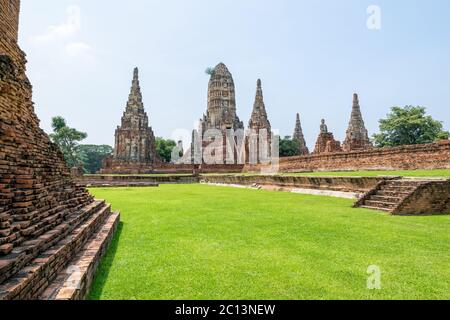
column 357, row 137
column 46, row 219
column 135, row 140
column 299, row 137
column 221, row 112
column 259, row 119
column 258, row 126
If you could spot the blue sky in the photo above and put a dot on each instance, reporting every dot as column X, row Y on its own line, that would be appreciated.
column 311, row 56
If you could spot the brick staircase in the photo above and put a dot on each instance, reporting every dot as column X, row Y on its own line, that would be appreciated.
column 38, row 268
column 389, row 195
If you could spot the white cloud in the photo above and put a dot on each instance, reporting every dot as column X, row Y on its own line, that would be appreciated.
column 69, row 28
column 81, row 50
column 64, row 36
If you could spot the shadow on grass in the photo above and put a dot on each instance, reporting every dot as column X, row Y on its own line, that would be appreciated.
column 101, row 276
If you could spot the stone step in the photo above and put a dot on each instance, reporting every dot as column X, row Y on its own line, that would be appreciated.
column 384, row 198
column 73, row 282
column 406, row 183
column 386, row 193
column 399, row 189
column 375, row 208
column 380, row 204
column 26, row 251
column 31, row 280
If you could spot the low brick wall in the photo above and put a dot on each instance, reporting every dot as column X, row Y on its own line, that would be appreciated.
column 133, row 180
column 358, row 185
column 429, row 156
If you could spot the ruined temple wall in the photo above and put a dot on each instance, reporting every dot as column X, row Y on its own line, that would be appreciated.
column 342, row 184
column 36, row 190
column 429, row 156
column 9, row 19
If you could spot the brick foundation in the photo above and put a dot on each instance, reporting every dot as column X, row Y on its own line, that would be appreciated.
column 342, row 184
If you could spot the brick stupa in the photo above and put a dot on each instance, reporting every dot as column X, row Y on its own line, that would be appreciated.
column 47, row 221
column 259, row 128
column 357, row 136
column 221, row 115
column 300, row 138
column 135, row 146
column 326, row 142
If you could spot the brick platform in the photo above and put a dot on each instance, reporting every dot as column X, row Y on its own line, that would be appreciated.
column 409, row 197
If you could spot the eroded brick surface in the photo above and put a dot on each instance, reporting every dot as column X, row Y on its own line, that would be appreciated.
column 45, row 217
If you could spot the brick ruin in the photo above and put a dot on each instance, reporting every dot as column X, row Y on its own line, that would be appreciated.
column 357, row 136
column 46, row 219
column 300, row 138
column 221, row 111
column 135, row 146
column 259, row 127
column 408, row 197
column 326, row 142
column 416, row 157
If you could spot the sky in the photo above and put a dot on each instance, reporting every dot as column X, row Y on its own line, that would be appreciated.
column 310, row 55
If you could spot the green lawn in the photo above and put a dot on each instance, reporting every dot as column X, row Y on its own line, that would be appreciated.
column 204, row 242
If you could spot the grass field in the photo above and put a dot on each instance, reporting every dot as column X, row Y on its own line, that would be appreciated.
column 204, row 242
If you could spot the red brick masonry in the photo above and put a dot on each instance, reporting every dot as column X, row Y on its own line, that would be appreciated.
column 45, row 217
column 429, row 156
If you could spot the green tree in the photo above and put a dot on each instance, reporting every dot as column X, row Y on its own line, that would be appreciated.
column 289, row 147
column 164, row 148
column 93, row 156
column 210, row 71
column 408, row 126
column 67, row 140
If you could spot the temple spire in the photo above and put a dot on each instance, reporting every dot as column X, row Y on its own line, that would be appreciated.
column 357, row 136
column 299, row 137
column 259, row 118
column 135, row 97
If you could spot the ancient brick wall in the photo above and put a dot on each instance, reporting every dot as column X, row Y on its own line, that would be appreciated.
column 429, row 156
column 45, row 217
column 36, row 190
column 343, row 184
column 9, row 19
column 130, row 180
